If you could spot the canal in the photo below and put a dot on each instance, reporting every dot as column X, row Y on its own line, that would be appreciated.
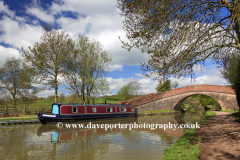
column 37, row 141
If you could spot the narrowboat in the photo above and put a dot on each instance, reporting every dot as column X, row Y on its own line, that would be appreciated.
column 74, row 112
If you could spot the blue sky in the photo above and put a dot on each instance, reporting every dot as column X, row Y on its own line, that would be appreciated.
column 22, row 22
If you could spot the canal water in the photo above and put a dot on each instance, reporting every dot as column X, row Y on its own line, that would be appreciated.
column 37, row 141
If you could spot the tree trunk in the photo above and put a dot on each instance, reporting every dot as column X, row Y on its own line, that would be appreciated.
column 237, row 80
column 56, row 88
column 237, row 83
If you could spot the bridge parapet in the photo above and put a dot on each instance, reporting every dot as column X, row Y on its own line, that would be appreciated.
column 194, row 88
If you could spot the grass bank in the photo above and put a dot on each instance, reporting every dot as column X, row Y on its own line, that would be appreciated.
column 18, row 119
column 235, row 113
column 187, row 147
column 156, row 111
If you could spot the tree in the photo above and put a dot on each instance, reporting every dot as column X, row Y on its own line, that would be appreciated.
column 229, row 70
column 164, row 86
column 48, row 55
column 178, row 34
column 127, row 91
column 85, row 68
column 16, row 79
column 174, row 84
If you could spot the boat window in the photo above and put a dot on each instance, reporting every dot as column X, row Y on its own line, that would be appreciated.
column 74, row 109
column 94, row 109
column 55, row 109
column 123, row 109
column 109, row 109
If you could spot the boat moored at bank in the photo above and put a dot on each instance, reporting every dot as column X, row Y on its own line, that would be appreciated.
column 74, row 112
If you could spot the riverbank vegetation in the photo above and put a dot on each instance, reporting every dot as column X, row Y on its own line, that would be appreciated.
column 131, row 90
column 19, row 119
column 199, row 102
column 235, row 113
column 187, row 147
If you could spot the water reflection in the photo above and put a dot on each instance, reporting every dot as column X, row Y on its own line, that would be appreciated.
column 48, row 142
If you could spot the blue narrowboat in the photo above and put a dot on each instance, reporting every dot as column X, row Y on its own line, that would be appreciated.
column 73, row 112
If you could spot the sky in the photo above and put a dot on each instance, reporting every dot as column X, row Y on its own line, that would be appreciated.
column 22, row 24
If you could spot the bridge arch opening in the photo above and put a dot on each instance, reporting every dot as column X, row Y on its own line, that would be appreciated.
column 206, row 101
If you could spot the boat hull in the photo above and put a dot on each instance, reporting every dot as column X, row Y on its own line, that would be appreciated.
column 45, row 118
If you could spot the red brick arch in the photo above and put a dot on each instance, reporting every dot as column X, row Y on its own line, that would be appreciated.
column 171, row 99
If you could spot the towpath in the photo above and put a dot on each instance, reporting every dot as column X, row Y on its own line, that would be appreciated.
column 220, row 138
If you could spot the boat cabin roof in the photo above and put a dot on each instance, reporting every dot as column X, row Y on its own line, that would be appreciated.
column 111, row 104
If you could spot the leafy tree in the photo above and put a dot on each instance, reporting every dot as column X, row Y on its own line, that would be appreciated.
column 178, row 34
column 174, row 84
column 164, row 86
column 127, row 91
column 85, row 67
column 47, row 55
column 230, row 71
column 16, row 79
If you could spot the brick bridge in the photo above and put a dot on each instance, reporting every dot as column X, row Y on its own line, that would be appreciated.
column 172, row 99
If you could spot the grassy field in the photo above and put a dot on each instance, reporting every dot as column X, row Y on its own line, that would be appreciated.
column 112, row 99
column 184, row 147
column 33, row 107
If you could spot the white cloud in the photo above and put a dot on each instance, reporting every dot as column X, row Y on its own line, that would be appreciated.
column 148, row 85
column 18, row 34
column 40, row 14
column 46, row 93
column 7, row 52
column 115, row 67
column 4, row 9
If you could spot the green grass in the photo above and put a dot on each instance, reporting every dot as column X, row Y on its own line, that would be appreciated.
column 68, row 100
column 33, row 107
column 26, row 115
column 18, row 119
column 156, row 111
column 183, row 148
column 235, row 113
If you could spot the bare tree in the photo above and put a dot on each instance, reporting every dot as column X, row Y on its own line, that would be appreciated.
column 174, row 84
column 48, row 55
column 179, row 34
column 16, row 79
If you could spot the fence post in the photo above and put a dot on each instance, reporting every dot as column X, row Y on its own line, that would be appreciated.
column 23, row 110
column 6, row 108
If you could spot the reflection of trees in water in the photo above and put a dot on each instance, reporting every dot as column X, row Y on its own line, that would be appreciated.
column 179, row 118
column 193, row 116
column 22, row 144
column 88, row 148
column 133, row 136
column 166, row 138
column 13, row 143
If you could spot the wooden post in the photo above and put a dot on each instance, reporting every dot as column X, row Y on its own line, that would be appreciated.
column 23, row 110
column 5, row 108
